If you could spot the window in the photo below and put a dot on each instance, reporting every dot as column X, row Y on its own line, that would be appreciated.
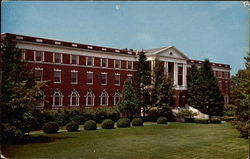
column 74, row 59
column 226, row 99
column 117, row 63
column 226, row 74
column 38, row 74
column 90, row 98
column 129, row 77
column 40, row 96
column 220, row 84
column 90, row 61
column 57, row 98
column 180, row 74
column 74, row 77
column 129, row 64
column 220, row 74
column 57, row 58
column 74, row 98
column 89, row 77
column 104, row 98
column 104, row 78
column 226, row 85
column 104, row 62
column 117, row 79
column 38, row 56
column 116, row 98
column 57, row 76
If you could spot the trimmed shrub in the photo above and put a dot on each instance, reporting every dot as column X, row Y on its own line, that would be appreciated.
column 9, row 134
column 107, row 124
column 137, row 122
column 80, row 119
column 123, row 123
column 201, row 121
column 162, row 120
column 72, row 126
column 50, row 127
column 90, row 125
column 215, row 121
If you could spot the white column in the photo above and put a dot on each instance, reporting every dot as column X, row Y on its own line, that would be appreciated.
column 175, row 74
column 165, row 67
column 184, row 75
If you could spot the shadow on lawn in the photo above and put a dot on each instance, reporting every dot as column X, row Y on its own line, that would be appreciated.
column 33, row 139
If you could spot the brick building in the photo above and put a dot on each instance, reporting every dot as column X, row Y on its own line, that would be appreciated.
column 83, row 75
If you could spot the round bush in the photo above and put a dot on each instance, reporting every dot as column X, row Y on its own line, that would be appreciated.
column 90, row 125
column 137, row 122
column 123, row 123
column 50, row 127
column 162, row 120
column 72, row 126
column 107, row 124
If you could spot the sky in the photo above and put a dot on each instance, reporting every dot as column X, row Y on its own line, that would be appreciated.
column 215, row 30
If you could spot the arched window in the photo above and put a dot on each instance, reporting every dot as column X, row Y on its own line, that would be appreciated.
column 116, row 96
column 90, row 98
column 57, row 98
column 40, row 96
column 74, row 98
column 104, row 98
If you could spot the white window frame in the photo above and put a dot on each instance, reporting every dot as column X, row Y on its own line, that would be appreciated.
column 58, row 70
column 104, row 73
column 77, row 98
column 89, row 72
column 77, row 60
column 117, row 94
column 92, row 98
column 106, row 62
column 40, row 69
column 117, row 74
column 60, row 100
column 61, row 58
column 220, row 74
column 42, row 59
column 119, row 64
column 41, row 106
column 92, row 64
column 106, row 95
column 74, row 71
column 131, row 65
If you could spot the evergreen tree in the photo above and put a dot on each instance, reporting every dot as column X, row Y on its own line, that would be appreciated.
column 141, row 81
column 129, row 103
column 18, row 89
column 240, row 97
column 162, row 89
column 209, row 96
column 193, row 86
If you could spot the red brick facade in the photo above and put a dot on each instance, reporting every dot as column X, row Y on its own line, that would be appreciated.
column 102, row 90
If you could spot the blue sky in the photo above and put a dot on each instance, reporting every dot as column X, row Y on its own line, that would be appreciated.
column 215, row 30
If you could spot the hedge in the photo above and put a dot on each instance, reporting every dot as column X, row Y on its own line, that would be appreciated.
column 107, row 124
column 72, row 126
column 123, row 123
column 50, row 127
column 162, row 120
column 90, row 125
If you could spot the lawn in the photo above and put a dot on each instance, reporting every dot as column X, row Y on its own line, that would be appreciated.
column 152, row 141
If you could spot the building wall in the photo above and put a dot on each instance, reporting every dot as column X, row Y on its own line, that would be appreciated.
column 30, row 45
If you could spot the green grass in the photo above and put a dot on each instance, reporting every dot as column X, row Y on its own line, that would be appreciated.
column 152, row 141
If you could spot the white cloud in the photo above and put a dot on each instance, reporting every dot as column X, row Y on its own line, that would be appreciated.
column 143, row 36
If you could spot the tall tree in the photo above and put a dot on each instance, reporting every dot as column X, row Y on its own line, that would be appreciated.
column 240, row 97
column 141, row 81
column 210, row 99
column 18, row 96
column 162, row 89
column 193, row 86
column 129, row 103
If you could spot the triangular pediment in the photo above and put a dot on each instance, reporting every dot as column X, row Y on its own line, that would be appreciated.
column 171, row 52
